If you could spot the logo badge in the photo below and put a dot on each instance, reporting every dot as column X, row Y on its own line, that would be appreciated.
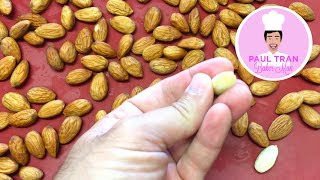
column 274, row 43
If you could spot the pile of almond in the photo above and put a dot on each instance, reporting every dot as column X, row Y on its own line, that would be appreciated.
column 162, row 59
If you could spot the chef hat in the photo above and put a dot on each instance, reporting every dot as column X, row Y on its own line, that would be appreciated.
column 273, row 21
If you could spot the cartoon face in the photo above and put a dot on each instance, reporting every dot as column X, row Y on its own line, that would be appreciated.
column 273, row 41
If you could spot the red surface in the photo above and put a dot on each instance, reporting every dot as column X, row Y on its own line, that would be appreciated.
column 298, row 153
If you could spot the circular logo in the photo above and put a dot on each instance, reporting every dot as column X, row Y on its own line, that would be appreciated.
column 274, row 43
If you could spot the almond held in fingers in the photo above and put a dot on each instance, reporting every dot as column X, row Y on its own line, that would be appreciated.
column 310, row 116
column 51, row 140
column 240, row 127
column 132, row 66
column 258, row 135
column 99, row 87
column 35, row 145
column 223, row 81
column 264, row 88
column 69, row 129
column 192, row 58
column 78, row 76
column 152, row 19
column 18, row 150
column 289, row 103
column 280, row 127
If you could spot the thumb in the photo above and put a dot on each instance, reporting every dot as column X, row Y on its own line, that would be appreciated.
column 181, row 119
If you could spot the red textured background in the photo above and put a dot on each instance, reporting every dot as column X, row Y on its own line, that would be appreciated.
column 298, row 153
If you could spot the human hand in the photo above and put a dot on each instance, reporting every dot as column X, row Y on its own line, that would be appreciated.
column 172, row 130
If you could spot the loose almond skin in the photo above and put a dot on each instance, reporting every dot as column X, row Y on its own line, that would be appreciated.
column 245, row 75
column 29, row 172
column 20, row 74
column 136, row 90
column 258, row 135
column 119, row 8
column 242, row 9
column 54, row 59
column 82, row 3
column 50, row 31
column 18, row 30
column 7, row 66
column 209, row 6
column 310, row 97
column 38, row 6
column 51, row 109
column 121, row 98
column 163, row 66
column 100, row 30
column 310, row 116
column 79, row 107
column 40, row 95
column 90, row 14
column 142, row 43
column 191, row 43
column 103, row 49
column 125, row 45
column 69, row 129
column 194, row 20
column 68, row 19
column 186, row 6
column 95, row 63
column 240, row 127
column 68, row 52
column 10, row 47
column 230, row 18
column 35, row 19
column 15, row 102
column 166, row 33
column 78, row 76
column 178, row 21
column 132, row 66
column 311, row 74
column 4, row 122
column 315, row 52
column 220, row 34
column 84, row 40
column 117, row 72
column 280, row 127
column 3, row 31
column 4, row 148
column 174, row 53
column 35, row 145
column 152, row 19
column 152, row 52
column 50, row 140
column 99, row 87
column 5, row 7
column 303, row 10
column 8, row 166
column 264, row 88
column 18, row 150
column 192, row 58
column 23, row 118
column 33, row 39
column 123, row 24
column 226, row 53
column 289, row 103
column 100, row 114
column 207, row 25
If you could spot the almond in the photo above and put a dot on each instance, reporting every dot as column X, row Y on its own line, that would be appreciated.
column 5, row 7
column 29, row 172
column 69, row 129
column 178, row 21
column 4, row 122
column 240, row 127
column 172, row 2
column 68, row 52
column 174, row 53
column 3, row 31
column 223, row 81
column 23, row 118
column 192, row 58
column 54, row 59
column 19, row 29
column 78, row 76
column 162, row 66
column 119, row 7
column 18, row 150
column 51, row 140
column 125, row 45
column 15, row 102
column 233, row 37
column 20, row 74
column 67, row 18
column 226, row 53
column 35, row 19
column 51, row 109
column 40, row 95
column 7, row 66
column 310, row 97
column 166, row 33
column 136, row 90
column 142, row 43
column 186, row 6
column 99, row 87
column 223, row 2
column 242, row 9
column 3, row 147
column 207, row 25
column 289, row 103
column 245, row 1
column 62, row 1
column 78, row 107
column 132, row 66
column 120, row 99
column 194, row 20
column 117, row 72
column 38, row 6
column 33, row 39
column 84, row 40
column 50, row 31
column 82, row 3
column 266, row 159
column 191, row 43
column 153, row 52
column 264, row 88
column 103, row 49
column 311, row 74
column 258, row 135
column 303, row 10
column 10, row 47
column 280, row 127
column 35, row 144
column 220, row 34
column 100, row 114
column 100, row 30
column 8, row 166
column 95, row 63
column 5, row 177
column 154, row 82
column 209, row 6
column 310, row 116
column 244, row 75
column 90, row 14
column 123, row 24
column 152, row 19
column 315, row 52
column 230, row 18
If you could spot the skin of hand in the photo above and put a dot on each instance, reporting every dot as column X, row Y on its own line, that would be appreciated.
column 172, row 130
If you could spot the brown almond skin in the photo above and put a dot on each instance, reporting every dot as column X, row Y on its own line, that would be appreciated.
column 19, row 29
column 35, row 145
column 95, row 63
column 258, row 135
column 310, row 97
column 172, row 2
column 311, row 74
column 84, row 40
column 69, row 129
column 174, row 53
column 192, row 58
column 78, row 76
column 163, row 66
column 280, row 127
column 303, row 10
column 82, row 3
column 103, row 49
column 132, row 66
column 20, row 74
column 226, row 53
column 4, row 148
column 8, row 166
column 68, row 52
column 242, row 9
column 15, row 102
column 125, row 45
column 123, row 24
column 194, row 20
column 54, row 59
column 117, row 72
column 240, row 127
column 40, row 95
column 9, row 47
column 23, row 118
column 29, row 172
column 38, row 6
column 78, row 107
column 186, row 6
column 33, row 39
column 119, row 8
column 191, row 43
column 220, row 34
column 264, row 88
column 289, row 103
column 35, row 19
column 67, row 18
column 230, row 18
column 152, row 52
column 99, row 87
column 50, row 31
column 142, row 43
column 209, row 6
column 244, row 75
column 51, row 109
column 166, row 33
column 120, row 99
column 207, row 25
column 89, row 14
column 233, row 37
column 178, row 21
column 136, row 90
column 7, row 66
column 152, row 19
column 310, row 116
column 4, row 122
column 18, row 150
column 100, row 30
column 3, row 31
column 50, row 140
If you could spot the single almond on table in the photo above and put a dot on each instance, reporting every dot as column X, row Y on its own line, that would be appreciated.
column 174, row 53
column 51, row 109
column 15, row 102
column 100, row 30
column 33, row 39
column 78, row 76
column 241, row 8
column 152, row 19
column 51, row 140
column 240, row 127
column 310, row 97
column 4, row 148
column 220, row 34
column 264, row 88
column 29, row 172
column 178, row 21
column 78, row 107
column 69, row 129
column 82, row 3
column 121, row 98
column 99, row 87
column 310, row 116
column 226, row 53
column 209, row 6
column 152, row 52
column 123, row 24
column 50, row 31
column 132, row 66
column 35, row 145
column 54, row 59
column 40, row 95
column 119, row 7
column 141, row 44
column 303, row 10
column 83, row 41
column 194, row 20
column 90, row 14
column 280, row 127
column 68, row 52
column 289, row 103
column 315, row 52
column 311, row 74
column 117, row 72
column 23, row 118
column 7, row 66
column 99, row 115
column 125, row 45
column 258, row 135
column 163, row 66
column 172, row 2
column 186, row 6
column 95, row 63
column 191, row 43
column 192, row 58
column 4, row 122
column 19, row 29
column 207, row 25
column 20, row 74
column 9, row 47
column 230, row 18
column 67, row 18
column 166, row 33
column 18, row 150
column 103, row 49
column 8, row 166
column 38, row 6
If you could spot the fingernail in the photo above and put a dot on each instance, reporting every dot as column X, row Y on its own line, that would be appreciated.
column 199, row 84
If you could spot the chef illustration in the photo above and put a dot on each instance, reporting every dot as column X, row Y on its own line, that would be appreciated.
column 273, row 22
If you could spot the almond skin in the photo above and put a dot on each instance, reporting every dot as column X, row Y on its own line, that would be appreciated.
column 166, row 33
column 20, row 74
column 310, row 97
column 82, row 3
column 7, row 66
column 186, row 6
column 33, row 39
column 35, row 145
column 29, row 172
column 242, row 9
column 152, row 19
column 54, row 59
column 191, row 43
column 10, row 47
column 258, row 135
column 68, row 52
column 78, row 76
column 311, row 74
column 23, row 118
column 226, row 53
column 280, row 127
column 117, row 72
column 233, row 37
column 69, row 129
column 99, row 87
column 83, row 41
column 90, row 14
column 67, row 18
column 119, row 8
column 178, row 21
column 207, row 25
column 50, row 31
column 289, row 103
column 125, row 45
column 15, row 102
column 240, row 127
column 121, row 98
column 51, row 109
column 19, row 29
column 264, row 88
column 95, row 63
column 4, row 122
column 174, row 53
column 3, row 148
column 132, row 66
column 209, row 6
column 40, row 95
column 192, row 58
column 162, row 66
column 8, row 166
column 152, row 52
column 100, row 30
column 3, row 31
column 230, row 18
column 220, row 34
column 78, row 107
column 303, row 10
column 142, row 43
column 38, row 6
column 194, row 20
column 18, row 150
column 50, row 140
column 103, row 49
column 123, row 24
column 35, row 19
column 310, row 116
